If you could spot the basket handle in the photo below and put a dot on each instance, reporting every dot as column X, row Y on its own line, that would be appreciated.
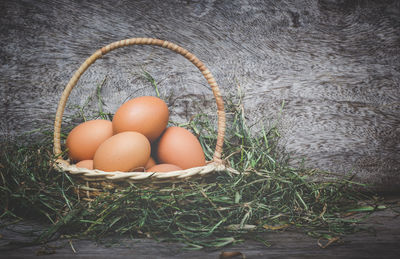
column 142, row 41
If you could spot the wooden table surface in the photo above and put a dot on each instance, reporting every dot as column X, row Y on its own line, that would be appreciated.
column 382, row 240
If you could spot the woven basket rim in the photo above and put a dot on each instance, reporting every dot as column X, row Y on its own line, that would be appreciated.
column 216, row 164
column 95, row 174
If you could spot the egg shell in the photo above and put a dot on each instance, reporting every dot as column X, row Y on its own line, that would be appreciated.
column 124, row 152
column 150, row 163
column 84, row 139
column 164, row 168
column 180, row 147
column 146, row 114
column 88, row 164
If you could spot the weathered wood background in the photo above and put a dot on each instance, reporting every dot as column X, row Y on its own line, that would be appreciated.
column 335, row 64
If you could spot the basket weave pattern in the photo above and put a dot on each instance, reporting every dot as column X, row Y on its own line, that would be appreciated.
column 98, row 175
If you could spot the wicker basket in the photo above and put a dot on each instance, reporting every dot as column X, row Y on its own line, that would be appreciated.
column 96, row 179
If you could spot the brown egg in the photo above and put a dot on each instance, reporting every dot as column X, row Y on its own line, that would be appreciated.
column 180, row 147
column 150, row 163
column 84, row 139
column 164, row 168
column 147, row 115
column 85, row 164
column 124, row 151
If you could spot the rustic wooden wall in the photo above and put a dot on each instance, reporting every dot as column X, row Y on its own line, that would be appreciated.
column 335, row 64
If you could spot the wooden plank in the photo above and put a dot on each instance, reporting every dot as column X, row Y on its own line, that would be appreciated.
column 381, row 241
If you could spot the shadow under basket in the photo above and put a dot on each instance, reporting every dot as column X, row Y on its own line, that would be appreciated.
column 94, row 182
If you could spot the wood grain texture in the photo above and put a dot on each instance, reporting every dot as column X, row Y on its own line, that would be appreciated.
column 335, row 64
column 380, row 241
